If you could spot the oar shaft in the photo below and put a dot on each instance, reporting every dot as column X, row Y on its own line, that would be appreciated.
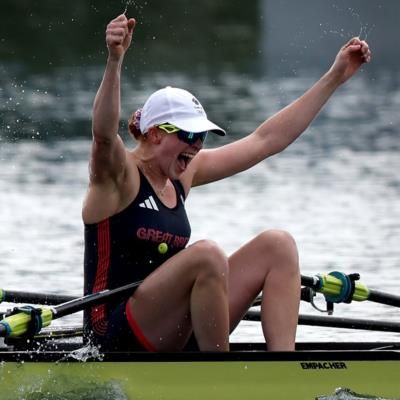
column 335, row 322
column 349, row 323
column 14, row 296
column 81, row 303
column 384, row 298
column 310, row 281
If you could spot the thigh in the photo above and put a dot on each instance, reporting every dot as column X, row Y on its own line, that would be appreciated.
column 119, row 336
column 161, row 305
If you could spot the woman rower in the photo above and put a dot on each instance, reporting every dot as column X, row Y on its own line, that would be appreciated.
column 136, row 227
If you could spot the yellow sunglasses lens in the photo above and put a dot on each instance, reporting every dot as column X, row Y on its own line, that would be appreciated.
column 169, row 128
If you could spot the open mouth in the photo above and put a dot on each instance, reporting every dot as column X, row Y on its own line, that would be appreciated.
column 185, row 158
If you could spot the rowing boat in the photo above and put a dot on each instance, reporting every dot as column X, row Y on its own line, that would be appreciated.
column 55, row 364
column 314, row 371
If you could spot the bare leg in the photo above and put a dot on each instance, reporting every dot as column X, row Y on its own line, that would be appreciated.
column 189, row 291
column 269, row 263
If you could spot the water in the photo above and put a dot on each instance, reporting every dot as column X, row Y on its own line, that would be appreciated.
column 336, row 189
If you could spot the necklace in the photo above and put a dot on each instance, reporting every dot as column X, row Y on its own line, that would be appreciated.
column 161, row 192
column 151, row 175
column 148, row 172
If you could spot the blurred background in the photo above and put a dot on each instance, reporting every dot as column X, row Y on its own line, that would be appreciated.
column 336, row 189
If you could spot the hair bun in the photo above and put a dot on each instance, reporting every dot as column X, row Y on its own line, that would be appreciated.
column 134, row 123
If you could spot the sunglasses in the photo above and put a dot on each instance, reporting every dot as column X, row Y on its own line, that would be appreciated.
column 187, row 137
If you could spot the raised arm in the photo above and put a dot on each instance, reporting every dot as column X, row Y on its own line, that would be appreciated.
column 108, row 152
column 277, row 132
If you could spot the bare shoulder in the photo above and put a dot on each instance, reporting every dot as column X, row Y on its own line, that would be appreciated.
column 107, row 197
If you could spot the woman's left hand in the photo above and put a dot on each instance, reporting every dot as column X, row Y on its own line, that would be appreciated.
column 350, row 58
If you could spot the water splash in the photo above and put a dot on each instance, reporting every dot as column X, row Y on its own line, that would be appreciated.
column 81, row 391
column 135, row 9
column 138, row 7
column 364, row 31
column 88, row 352
column 347, row 394
column 126, row 7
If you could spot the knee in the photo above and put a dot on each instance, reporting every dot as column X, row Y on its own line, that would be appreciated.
column 277, row 239
column 210, row 258
column 281, row 246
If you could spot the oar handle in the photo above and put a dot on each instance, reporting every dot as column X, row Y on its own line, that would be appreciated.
column 20, row 323
column 335, row 287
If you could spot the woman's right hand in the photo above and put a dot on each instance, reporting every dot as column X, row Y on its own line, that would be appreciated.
column 119, row 36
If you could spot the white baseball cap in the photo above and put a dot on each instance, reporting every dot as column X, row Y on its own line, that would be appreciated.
column 177, row 107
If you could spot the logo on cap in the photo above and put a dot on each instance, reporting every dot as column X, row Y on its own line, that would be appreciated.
column 197, row 106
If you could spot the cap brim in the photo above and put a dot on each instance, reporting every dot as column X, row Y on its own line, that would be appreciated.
column 197, row 125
